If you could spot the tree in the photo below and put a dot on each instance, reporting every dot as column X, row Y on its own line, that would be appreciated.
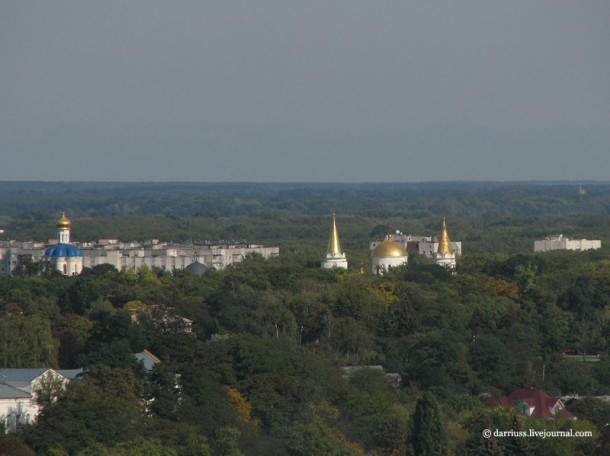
column 26, row 341
column 515, row 446
column 315, row 435
column 604, row 446
column 103, row 408
column 117, row 383
column 13, row 445
column 428, row 435
column 50, row 389
column 137, row 447
column 84, row 291
column 430, row 353
column 351, row 338
column 113, row 341
column 227, row 442
column 72, row 332
column 374, row 409
column 571, row 376
column 485, row 419
column 592, row 409
column 494, row 362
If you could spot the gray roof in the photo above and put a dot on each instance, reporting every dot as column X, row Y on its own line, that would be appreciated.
column 71, row 374
column 147, row 359
column 22, row 378
column 8, row 392
column 21, row 375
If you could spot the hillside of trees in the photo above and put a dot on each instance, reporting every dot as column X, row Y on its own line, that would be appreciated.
column 263, row 368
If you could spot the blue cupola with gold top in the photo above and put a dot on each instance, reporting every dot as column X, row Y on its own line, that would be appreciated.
column 67, row 258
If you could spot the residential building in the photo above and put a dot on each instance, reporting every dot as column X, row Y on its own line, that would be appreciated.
column 532, row 402
column 70, row 257
column 19, row 389
column 560, row 242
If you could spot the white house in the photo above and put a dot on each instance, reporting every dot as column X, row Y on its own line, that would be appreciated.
column 19, row 390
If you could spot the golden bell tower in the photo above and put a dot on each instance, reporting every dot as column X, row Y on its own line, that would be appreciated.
column 334, row 258
column 444, row 245
column 445, row 256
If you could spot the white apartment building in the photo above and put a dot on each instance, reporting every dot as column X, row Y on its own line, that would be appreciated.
column 560, row 242
column 132, row 255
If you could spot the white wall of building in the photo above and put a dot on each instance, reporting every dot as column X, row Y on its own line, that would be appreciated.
column 382, row 264
column 18, row 411
column 334, row 262
column 18, row 404
column 429, row 248
column 560, row 242
column 135, row 255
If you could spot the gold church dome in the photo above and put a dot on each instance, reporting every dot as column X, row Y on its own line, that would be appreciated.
column 63, row 221
column 389, row 248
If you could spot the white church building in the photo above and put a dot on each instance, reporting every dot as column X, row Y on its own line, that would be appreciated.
column 439, row 249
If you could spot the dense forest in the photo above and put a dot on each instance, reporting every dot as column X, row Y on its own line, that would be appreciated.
column 270, row 359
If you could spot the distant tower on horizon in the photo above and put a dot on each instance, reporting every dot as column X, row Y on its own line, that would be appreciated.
column 334, row 258
column 581, row 191
column 445, row 256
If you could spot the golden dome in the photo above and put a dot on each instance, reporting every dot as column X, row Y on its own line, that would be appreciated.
column 63, row 222
column 389, row 248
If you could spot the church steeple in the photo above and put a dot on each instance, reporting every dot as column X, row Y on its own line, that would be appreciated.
column 335, row 258
column 444, row 245
column 63, row 228
column 445, row 256
column 334, row 247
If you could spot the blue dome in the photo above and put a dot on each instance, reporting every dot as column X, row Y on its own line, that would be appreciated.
column 63, row 250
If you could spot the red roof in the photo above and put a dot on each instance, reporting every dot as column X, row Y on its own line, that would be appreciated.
column 532, row 402
column 493, row 401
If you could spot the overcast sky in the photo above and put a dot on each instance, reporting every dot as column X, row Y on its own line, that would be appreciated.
column 286, row 91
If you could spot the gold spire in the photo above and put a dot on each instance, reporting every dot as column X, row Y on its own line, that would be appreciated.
column 444, row 245
column 334, row 248
column 63, row 222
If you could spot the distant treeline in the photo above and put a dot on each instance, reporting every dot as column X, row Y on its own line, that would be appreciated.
column 230, row 199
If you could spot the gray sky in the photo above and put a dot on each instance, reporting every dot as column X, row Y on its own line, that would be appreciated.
column 329, row 91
